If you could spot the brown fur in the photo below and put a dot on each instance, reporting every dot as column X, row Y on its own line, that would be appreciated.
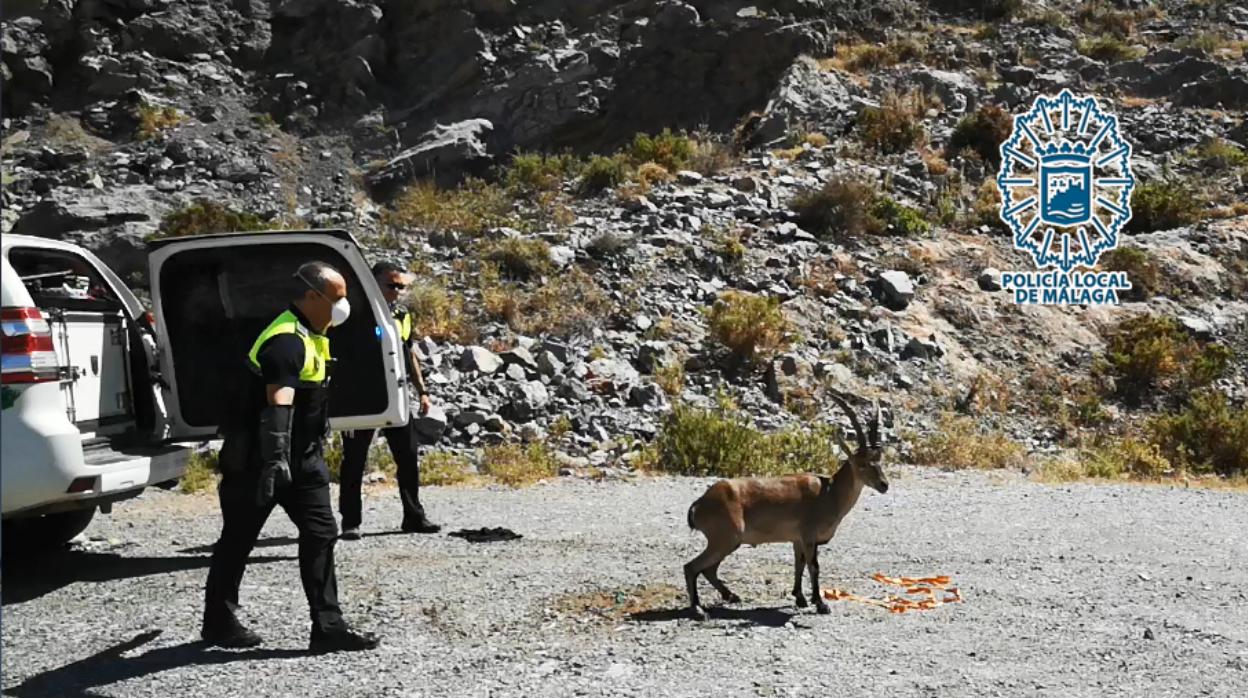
column 804, row 510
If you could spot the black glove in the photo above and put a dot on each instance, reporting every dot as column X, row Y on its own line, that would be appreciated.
column 275, row 423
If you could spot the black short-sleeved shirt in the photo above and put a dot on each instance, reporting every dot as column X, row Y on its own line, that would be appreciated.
column 281, row 360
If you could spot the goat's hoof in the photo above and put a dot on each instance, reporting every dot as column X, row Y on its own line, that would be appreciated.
column 799, row 600
column 822, row 609
column 696, row 613
column 731, row 598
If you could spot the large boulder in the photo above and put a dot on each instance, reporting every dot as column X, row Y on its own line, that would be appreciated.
column 807, row 97
column 684, row 71
column 444, row 153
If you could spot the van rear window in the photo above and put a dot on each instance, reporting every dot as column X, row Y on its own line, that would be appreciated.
column 64, row 280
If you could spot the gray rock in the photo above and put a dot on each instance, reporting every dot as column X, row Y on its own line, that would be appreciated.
column 467, row 417
column 895, row 289
column 520, row 356
column 446, row 153
column 431, row 425
column 990, row 279
column 496, row 424
column 806, row 97
column 1018, row 74
column 479, row 359
column 516, row 372
column 525, row 401
column 923, row 349
column 548, row 364
column 958, row 91
column 1198, row 328
column 647, row 396
column 574, row 390
column 653, row 354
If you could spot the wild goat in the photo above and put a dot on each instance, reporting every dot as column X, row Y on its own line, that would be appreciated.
column 804, row 510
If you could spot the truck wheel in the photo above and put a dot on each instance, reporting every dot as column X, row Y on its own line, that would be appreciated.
column 47, row 532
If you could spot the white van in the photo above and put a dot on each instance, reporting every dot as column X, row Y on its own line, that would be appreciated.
column 97, row 393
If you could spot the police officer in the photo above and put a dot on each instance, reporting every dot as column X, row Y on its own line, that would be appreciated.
column 401, row 439
column 273, row 455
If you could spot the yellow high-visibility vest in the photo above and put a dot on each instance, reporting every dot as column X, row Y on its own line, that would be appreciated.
column 315, row 348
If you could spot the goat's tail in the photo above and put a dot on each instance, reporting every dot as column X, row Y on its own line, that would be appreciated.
column 689, row 516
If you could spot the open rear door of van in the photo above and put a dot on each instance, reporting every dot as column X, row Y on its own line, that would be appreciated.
column 212, row 295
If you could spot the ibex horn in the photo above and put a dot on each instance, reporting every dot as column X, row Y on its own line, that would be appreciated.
column 875, row 425
column 853, row 419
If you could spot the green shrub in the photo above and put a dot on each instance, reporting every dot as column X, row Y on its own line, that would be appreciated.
column 747, row 324
column 534, row 172
column 1100, row 17
column 518, row 258
column 1206, row 436
column 441, row 468
column 1218, row 154
column 333, row 456
column 205, row 217
column 894, row 126
column 603, row 172
column 1149, row 354
column 607, row 245
column 670, row 150
column 983, row 132
column 1142, row 270
column 1163, row 205
column 1128, row 456
column 571, row 303
column 840, row 206
column 719, row 442
column 201, row 472
column 960, row 442
column 516, row 466
column 438, row 314
column 472, row 207
column 154, row 120
column 899, row 219
column 710, row 155
column 1109, row 48
column 853, row 208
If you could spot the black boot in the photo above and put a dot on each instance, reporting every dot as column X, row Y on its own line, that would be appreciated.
column 228, row 633
column 417, row 522
column 341, row 639
column 421, row 524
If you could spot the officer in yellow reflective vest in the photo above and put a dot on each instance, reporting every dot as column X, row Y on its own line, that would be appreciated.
column 273, row 454
column 402, row 439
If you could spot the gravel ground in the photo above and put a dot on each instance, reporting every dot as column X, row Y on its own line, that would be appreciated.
column 1079, row 590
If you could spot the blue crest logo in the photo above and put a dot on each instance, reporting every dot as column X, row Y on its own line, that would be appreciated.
column 1065, row 182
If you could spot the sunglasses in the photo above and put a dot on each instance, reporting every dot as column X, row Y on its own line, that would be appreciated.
column 396, row 287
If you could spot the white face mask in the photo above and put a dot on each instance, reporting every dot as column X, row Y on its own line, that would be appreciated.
column 338, row 312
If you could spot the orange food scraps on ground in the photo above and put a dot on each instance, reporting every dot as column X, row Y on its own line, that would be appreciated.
column 915, row 586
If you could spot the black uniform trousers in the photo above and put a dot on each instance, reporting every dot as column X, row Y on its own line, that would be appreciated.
column 307, row 502
column 403, row 444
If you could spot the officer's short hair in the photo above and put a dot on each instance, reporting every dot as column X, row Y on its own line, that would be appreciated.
column 317, row 275
column 388, row 267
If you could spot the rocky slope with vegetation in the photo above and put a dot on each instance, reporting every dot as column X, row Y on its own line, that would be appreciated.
column 651, row 233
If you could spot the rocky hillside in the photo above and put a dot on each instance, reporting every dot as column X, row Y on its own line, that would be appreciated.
column 823, row 210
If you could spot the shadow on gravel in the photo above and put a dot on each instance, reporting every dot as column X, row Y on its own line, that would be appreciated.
column 77, row 680
column 774, row 617
column 31, row 577
column 275, row 542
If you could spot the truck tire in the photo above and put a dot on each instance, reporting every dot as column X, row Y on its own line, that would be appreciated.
column 45, row 533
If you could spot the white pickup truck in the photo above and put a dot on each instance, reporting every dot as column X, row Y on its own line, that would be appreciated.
column 97, row 393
